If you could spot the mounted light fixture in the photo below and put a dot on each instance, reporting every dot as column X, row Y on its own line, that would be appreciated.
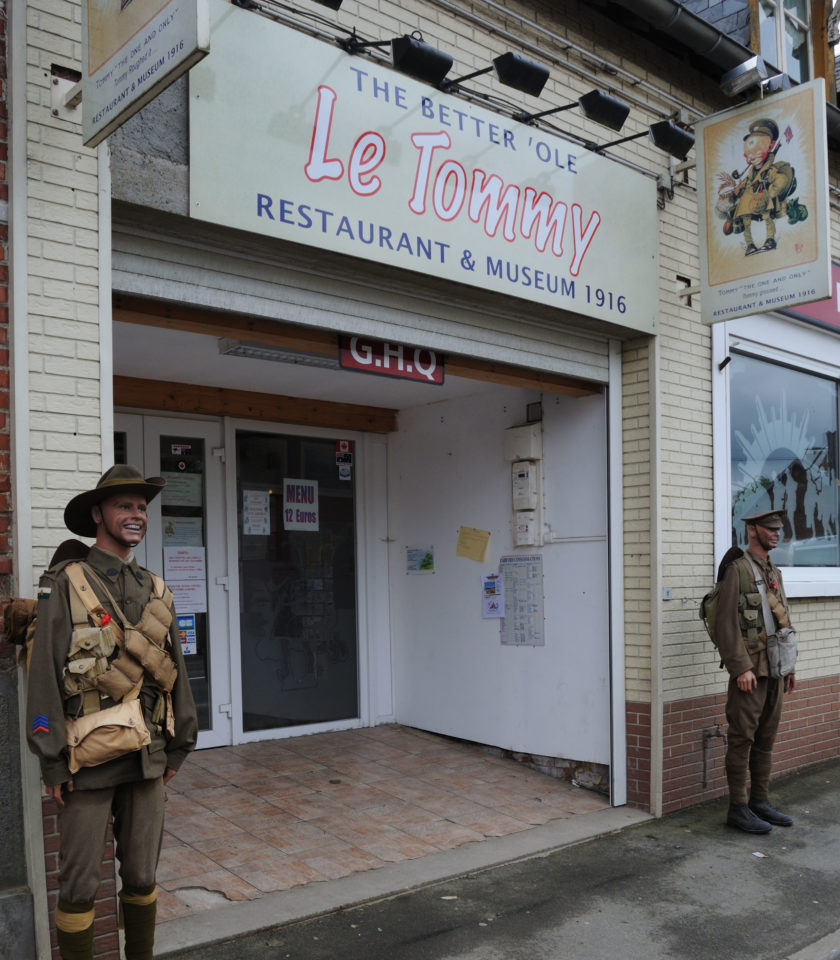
column 332, row 4
column 747, row 75
column 512, row 70
column 264, row 351
column 410, row 54
column 596, row 105
column 665, row 135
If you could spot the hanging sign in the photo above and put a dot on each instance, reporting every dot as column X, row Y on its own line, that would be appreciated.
column 391, row 359
column 349, row 155
column 131, row 51
column 762, row 194
column 300, row 505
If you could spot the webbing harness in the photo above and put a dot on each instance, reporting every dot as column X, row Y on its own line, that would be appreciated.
column 125, row 676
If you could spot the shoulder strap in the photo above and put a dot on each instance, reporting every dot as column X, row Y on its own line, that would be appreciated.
column 761, row 586
column 83, row 592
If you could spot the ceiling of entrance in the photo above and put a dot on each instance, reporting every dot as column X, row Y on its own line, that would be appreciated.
column 175, row 356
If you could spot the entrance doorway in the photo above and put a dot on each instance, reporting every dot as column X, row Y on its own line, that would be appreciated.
column 297, row 581
column 259, row 549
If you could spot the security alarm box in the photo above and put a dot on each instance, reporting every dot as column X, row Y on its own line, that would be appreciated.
column 523, row 443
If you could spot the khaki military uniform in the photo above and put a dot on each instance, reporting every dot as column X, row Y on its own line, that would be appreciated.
column 753, row 716
column 130, row 786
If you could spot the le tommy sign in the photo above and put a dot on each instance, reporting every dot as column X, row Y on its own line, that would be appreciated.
column 357, row 158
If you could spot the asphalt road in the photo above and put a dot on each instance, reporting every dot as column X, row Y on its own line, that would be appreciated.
column 681, row 887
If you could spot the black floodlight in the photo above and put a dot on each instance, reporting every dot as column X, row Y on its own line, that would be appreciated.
column 418, row 59
column 512, row 70
column 596, row 105
column 332, row 4
column 665, row 135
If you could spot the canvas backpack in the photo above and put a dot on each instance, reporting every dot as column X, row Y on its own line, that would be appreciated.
column 709, row 603
column 20, row 613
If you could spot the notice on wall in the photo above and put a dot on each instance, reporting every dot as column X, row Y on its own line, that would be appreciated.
column 256, row 513
column 189, row 595
column 300, row 505
column 420, row 559
column 183, row 531
column 472, row 543
column 185, row 572
column 182, row 490
column 492, row 596
column 523, row 624
column 187, row 634
column 184, row 563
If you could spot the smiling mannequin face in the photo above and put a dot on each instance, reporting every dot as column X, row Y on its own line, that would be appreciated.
column 120, row 523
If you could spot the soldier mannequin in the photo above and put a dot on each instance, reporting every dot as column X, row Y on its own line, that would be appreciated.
column 129, row 787
column 754, row 698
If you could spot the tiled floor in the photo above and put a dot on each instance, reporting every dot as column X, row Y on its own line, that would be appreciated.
column 244, row 821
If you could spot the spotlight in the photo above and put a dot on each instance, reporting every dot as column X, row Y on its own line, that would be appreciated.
column 609, row 111
column 512, row 70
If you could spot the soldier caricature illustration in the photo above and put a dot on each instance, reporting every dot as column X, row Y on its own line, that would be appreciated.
column 751, row 201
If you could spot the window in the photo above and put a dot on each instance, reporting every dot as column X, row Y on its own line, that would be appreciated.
column 776, row 412
column 784, row 37
column 784, row 455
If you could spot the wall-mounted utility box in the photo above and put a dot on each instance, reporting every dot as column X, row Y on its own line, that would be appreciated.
column 523, row 443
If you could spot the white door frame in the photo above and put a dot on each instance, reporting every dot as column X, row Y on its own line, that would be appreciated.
column 143, row 435
column 363, row 519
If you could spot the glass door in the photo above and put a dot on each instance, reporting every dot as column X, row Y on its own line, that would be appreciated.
column 297, row 580
column 185, row 543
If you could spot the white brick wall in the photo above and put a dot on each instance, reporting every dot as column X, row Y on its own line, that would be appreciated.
column 63, row 273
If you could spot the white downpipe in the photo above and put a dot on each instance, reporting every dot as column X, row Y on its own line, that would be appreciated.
column 618, row 692
column 106, row 330
column 656, row 628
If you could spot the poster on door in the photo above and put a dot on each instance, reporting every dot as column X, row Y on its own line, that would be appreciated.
column 300, row 505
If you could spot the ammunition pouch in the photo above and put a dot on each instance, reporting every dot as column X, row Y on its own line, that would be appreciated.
column 121, row 677
column 752, row 621
column 156, row 621
column 154, row 660
column 87, row 658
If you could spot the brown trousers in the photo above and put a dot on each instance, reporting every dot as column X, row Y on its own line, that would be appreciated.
column 138, row 831
column 753, row 718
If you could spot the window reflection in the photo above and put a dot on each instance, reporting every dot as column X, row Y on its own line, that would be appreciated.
column 783, row 442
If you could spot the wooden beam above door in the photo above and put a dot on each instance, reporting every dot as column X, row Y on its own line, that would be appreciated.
column 288, row 336
column 191, row 398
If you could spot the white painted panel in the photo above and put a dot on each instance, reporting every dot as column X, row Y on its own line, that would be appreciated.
column 452, row 675
column 226, row 272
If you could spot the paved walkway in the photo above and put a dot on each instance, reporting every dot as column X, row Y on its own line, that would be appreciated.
column 248, row 821
column 685, row 886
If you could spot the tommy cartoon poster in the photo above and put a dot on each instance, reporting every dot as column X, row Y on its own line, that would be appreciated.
column 762, row 193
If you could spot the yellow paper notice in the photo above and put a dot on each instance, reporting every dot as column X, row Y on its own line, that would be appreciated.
column 472, row 543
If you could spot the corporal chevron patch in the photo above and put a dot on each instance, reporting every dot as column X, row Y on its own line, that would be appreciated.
column 40, row 724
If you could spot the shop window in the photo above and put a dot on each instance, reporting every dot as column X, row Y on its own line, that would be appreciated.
column 785, row 37
column 783, row 440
